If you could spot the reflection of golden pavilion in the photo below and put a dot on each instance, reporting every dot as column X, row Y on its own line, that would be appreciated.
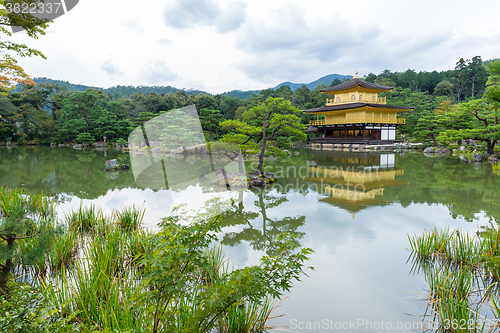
column 362, row 178
column 352, row 195
column 354, row 189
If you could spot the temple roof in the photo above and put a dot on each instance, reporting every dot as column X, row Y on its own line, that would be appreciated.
column 356, row 82
column 355, row 106
column 310, row 129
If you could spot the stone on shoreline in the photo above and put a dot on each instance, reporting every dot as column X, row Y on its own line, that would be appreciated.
column 429, row 150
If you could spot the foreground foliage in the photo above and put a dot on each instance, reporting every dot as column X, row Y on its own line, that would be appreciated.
column 107, row 274
column 462, row 273
column 23, row 218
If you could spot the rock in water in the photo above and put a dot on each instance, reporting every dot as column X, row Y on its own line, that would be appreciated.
column 269, row 175
column 442, row 151
column 288, row 154
column 111, row 164
column 478, row 157
column 429, row 150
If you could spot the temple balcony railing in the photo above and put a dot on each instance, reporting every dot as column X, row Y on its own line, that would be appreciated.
column 337, row 101
column 360, row 120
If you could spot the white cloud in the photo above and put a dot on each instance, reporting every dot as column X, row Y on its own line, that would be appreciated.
column 135, row 25
column 231, row 17
column 157, row 72
column 185, row 14
column 110, row 68
column 221, row 45
column 164, row 41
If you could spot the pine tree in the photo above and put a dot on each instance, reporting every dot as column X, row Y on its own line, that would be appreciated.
column 23, row 217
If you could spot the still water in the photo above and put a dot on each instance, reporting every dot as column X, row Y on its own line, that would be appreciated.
column 355, row 210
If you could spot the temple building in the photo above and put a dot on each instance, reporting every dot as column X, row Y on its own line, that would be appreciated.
column 355, row 114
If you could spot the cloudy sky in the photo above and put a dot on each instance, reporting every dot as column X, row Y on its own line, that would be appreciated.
column 221, row 45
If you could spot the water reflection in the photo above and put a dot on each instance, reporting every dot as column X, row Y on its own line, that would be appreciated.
column 356, row 181
column 259, row 229
column 361, row 270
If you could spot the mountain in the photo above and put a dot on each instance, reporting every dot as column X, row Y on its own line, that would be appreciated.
column 120, row 91
column 126, row 91
column 70, row 86
column 248, row 94
column 328, row 79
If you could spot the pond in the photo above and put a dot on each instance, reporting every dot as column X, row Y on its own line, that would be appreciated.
column 354, row 209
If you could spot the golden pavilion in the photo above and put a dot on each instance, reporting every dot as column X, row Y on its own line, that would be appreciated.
column 355, row 114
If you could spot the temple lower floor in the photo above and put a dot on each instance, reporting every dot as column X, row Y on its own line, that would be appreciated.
column 367, row 134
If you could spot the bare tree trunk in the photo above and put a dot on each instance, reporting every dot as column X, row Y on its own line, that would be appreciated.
column 241, row 167
column 490, row 146
column 434, row 140
column 4, row 275
column 263, row 149
column 473, row 78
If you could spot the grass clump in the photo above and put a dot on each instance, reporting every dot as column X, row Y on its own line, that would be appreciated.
column 129, row 218
column 462, row 272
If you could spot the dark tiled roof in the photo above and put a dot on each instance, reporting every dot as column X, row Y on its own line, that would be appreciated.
column 311, row 129
column 357, row 105
column 354, row 82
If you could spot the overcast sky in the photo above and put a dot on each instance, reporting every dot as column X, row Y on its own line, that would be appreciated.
column 221, row 45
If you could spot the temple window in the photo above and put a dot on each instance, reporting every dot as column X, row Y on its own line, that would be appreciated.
column 360, row 97
column 373, row 98
column 353, row 98
column 338, row 99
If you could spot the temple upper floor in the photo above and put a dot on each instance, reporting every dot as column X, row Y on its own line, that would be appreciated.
column 355, row 90
column 355, row 97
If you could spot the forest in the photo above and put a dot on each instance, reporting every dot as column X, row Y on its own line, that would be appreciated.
column 448, row 106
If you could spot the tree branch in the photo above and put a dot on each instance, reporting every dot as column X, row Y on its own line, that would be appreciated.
column 484, row 120
column 25, row 237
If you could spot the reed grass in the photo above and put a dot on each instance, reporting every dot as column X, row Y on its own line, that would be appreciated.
column 137, row 243
column 496, row 168
column 86, row 219
column 129, row 218
column 248, row 318
column 462, row 272
column 64, row 249
column 451, row 247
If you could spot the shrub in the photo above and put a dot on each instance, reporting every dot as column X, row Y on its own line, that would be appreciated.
column 23, row 309
column 21, row 141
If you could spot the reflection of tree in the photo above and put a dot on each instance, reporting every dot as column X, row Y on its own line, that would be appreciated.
column 266, row 237
column 465, row 189
column 62, row 171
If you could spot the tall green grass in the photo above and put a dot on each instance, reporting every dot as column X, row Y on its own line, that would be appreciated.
column 247, row 318
column 86, row 219
column 462, row 272
column 100, row 287
column 496, row 168
column 129, row 218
